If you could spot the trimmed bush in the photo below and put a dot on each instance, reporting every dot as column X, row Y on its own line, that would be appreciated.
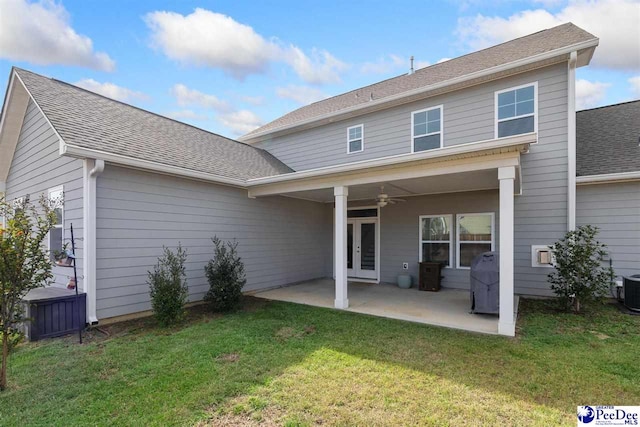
column 225, row 273
column 581, row 276
column 168, row 287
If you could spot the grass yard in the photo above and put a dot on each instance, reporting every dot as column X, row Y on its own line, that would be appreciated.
column 284, row 364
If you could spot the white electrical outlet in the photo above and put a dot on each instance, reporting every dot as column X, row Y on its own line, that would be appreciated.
column 405, row 265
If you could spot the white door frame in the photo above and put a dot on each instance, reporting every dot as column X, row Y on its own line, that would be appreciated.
column 356, row 272
column 378, row 228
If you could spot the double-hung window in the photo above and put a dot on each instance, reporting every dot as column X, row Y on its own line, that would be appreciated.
column 355, row 139
column 436, row 239
column 426, row 129
column 516, row 110
column 475, row 236
column 56, row 235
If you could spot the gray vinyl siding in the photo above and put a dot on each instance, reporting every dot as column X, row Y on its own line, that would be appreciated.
column 468, row 116
column 400, row 233
column 541, row 210
column 281, row 240
column 37, row 167
column 615, row 209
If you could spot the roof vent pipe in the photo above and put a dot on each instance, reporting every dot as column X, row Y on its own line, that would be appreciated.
column 411, row 69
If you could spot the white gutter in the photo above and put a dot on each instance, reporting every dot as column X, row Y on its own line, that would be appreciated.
column 471, row 148
column 608, row 178
column 81, row 152
column 571, row 138
column 91, row 170
column 467, row 77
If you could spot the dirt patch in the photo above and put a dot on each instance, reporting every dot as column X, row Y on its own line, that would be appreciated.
column 286, row 333
column 229, row 357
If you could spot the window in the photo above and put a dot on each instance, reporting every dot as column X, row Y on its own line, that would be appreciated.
column 426, row 129
column 475, row 236
column 355, row 139
column 56, row 235
column 516, row 110
column 436, row 239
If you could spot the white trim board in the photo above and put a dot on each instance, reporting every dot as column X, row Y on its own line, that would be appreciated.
column 608, row 178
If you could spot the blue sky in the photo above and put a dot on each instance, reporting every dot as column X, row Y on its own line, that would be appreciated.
column 229, row 66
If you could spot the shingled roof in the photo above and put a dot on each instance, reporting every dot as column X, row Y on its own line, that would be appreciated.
column 608, row 139
column 88, row 120
column 524, row 47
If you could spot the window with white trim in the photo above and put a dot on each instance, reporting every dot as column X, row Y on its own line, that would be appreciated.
column 516, row 110
column 355, row 139
column 426, row 129
column 436, row 239
column 476, row 235
column 56, row 234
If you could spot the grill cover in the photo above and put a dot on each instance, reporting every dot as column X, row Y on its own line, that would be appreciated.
column 485, row 283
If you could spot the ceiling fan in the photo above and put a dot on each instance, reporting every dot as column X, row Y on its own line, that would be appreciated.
column 383, row 199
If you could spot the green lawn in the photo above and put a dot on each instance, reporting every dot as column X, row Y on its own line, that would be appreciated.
column 285, row 364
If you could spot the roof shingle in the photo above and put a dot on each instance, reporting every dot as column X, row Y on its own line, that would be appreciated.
column 523, row 47
column 608, row 139
column 88, row 120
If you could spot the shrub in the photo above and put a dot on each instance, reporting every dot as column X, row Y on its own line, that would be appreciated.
column 225, row 273
column 581, row 276
column 24, row 265
column 168, row 287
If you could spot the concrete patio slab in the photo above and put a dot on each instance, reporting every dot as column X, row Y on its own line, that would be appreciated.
column 448, row 307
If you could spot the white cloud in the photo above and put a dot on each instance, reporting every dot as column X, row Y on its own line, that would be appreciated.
column 590, row 94
column 385, row 65
column 443, row 60
column 111, row 90
column 253, row 100
column 635, row 86
column 301, row 94
column 186, row 115
column 240, row 122
column 186, row 97
column 40, row 33
column 210, row 39
column 615, row 22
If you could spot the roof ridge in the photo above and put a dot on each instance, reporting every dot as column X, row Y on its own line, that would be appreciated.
column 608, row 106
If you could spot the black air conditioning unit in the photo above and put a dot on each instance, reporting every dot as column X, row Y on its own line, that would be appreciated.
column 631, row 287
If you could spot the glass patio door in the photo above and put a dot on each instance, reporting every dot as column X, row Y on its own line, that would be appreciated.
column 362, row 248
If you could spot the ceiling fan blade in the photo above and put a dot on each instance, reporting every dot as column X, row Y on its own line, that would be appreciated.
column 399, row 200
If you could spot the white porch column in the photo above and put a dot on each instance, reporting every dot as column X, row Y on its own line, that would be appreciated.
column 340, row 250
column 506, row 323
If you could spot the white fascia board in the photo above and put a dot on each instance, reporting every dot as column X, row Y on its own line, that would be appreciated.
column 467, row 77
column 81, row 152
column 608, row 178
column 475, row 147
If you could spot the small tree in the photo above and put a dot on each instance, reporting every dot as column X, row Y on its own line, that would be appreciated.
column 225, row 273
column 168, row 286
column 24, row 265
column 581, row 276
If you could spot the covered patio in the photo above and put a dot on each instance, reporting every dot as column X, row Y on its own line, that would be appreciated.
column 448, row 308
column 492, row 165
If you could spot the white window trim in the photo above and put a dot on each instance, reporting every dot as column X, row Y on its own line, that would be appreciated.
column 458, row 241
column 534, row 114
column 413, row 136
column 49, row 191
column 420, row 241
column 361, row 126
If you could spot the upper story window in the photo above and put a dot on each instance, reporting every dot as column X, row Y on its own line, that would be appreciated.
column 516, row 110
column 355, row 139
column 426, row 129
column 56, row 235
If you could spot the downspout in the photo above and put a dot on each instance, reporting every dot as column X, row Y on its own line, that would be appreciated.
column 571, row 139
column 91, row 170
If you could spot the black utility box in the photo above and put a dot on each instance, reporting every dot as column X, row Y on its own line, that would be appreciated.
column 54, row 312
column 429, row 279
